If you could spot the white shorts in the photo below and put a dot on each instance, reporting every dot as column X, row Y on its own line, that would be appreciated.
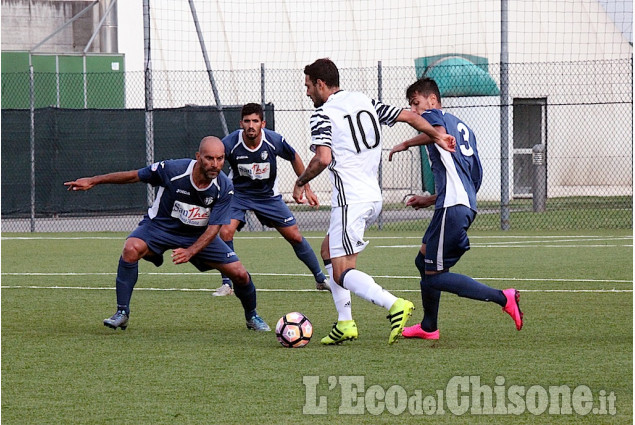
column 347, row 226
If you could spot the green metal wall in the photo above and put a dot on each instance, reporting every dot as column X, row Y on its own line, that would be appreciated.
column 64, row 81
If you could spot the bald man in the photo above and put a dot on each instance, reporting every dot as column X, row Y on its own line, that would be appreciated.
column 192, row 203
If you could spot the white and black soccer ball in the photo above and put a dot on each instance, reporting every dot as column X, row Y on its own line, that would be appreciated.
column 294, row 330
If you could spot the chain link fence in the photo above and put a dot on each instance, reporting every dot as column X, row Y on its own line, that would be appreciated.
column 559, row 166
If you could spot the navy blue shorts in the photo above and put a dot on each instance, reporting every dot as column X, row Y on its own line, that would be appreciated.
column 446, row 237
column 159, row 241
column 271, row 212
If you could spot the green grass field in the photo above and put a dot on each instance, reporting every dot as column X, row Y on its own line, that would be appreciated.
column 187, row 358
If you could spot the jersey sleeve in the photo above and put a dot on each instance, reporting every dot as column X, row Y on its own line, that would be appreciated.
column 282, row 148
column 434, row 117
column 153, row 174
column 321, row 131
column 286, row 150
column 219, row 214
column 387, row 114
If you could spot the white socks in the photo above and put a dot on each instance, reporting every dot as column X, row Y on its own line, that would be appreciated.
column 365, row 287
column 341, row 297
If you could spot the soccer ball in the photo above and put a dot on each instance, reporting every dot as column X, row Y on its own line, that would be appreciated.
column 294, row 330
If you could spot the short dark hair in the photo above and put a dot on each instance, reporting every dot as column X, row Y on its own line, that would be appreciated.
column 252, row 108
column 424, row 86
column 323, row 69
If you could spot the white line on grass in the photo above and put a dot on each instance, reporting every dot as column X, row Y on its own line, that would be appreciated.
column 100, row 288
column 310, row 275
column 276, row 236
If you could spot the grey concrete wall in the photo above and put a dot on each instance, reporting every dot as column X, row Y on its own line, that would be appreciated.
column 25, row 23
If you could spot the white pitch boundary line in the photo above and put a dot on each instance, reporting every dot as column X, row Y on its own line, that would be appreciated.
column 514, row 279
column 99, row 288
column 590, row 237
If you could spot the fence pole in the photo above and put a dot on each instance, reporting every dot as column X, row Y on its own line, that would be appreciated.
column 504, row 117
column 262, row 91
column 32, row 140
column 380, row 82
column 149, row 109
column 210, row 74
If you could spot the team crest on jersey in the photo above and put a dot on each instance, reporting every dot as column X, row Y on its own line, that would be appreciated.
column 264, row 155
column 209, row 200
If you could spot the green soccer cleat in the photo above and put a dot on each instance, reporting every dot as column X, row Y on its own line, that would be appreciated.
column 398, row 315
column 343, row 330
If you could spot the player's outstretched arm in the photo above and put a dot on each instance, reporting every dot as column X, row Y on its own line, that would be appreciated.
column 120, row 177
column 436, row 135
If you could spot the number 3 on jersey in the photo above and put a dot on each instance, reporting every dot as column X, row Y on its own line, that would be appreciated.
column 466, row 149
column 360, row 126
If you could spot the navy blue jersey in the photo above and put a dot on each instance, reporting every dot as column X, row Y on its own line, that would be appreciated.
column 254, row 172
column 180, row 206
column 457, row 175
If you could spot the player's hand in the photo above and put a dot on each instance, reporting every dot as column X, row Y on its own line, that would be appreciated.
column 447, row 142
column 397, row 148
column 421, row 201
column 311, row 197
column 181, row 255
column 84, row 183
column 298, row 194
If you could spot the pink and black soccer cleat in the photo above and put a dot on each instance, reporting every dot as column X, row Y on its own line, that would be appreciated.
column 416, row 332
column 513, row 307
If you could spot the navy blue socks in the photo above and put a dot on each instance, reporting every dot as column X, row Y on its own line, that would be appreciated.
column 226, row 280
column 305, row 253
column 127, row 274
column 247, row 296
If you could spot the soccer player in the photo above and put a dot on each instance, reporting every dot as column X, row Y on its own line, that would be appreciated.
column 251, row 153
column 192, row 203
column 346, row 138
column 457, row 178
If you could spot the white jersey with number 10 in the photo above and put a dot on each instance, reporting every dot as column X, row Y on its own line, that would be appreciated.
column 350, row 124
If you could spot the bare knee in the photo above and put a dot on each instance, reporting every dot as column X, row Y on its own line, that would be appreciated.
column 291, row 234
column 238, row 274
column 133, row 250
column 227, row 233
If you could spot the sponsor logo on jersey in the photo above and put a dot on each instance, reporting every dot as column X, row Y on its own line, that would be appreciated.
column 242, row 157
column 288, row 219
column 192, row 215
column 231, row 254
column 359, row 243
column 185, row 192
column 255, row 171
